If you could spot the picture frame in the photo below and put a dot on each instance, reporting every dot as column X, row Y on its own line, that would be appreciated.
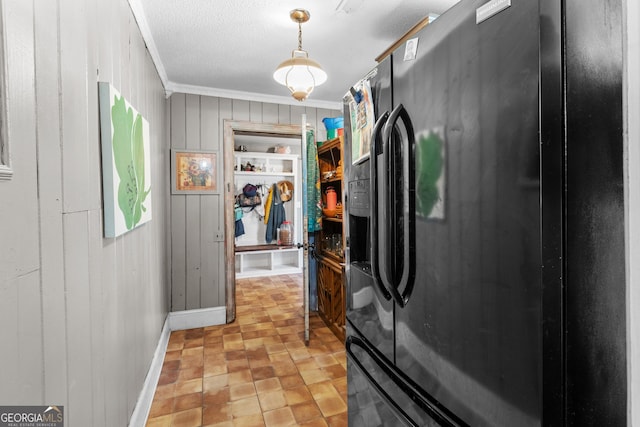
column 126, row 163
column 194, row 171
column 362, row 122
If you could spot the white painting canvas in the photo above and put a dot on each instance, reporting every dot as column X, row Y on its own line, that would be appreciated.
column 126, row 163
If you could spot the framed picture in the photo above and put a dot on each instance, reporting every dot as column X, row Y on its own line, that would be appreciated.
column 194, row 172
column 362, row 121
column 126, row 163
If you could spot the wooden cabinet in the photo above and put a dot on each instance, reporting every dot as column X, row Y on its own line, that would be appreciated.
column 331, row 295
column 330, row 241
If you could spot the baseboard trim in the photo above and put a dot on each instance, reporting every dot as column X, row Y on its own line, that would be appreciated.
column 199, row 318
column 143, row 406
column 175, row 321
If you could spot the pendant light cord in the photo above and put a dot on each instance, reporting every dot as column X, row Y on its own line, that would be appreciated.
column 299, row 35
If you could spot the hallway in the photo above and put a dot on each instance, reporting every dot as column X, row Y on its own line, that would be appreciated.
column 256, row 371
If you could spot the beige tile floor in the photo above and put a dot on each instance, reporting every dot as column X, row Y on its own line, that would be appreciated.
column 256, row 371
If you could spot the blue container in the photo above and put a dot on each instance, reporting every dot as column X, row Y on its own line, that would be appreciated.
column 331, row 123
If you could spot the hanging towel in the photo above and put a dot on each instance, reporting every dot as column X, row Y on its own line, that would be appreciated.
column 277, row 216
column 267, row 206
column 239, row 228
column 314, row 199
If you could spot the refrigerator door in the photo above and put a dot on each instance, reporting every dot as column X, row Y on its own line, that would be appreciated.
column 369, row 306
column 380, row 395
column 470, row 333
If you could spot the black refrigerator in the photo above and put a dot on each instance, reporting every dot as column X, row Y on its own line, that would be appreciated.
column 484, row 210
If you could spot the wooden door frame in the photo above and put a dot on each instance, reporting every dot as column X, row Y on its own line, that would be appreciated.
column 231, row 128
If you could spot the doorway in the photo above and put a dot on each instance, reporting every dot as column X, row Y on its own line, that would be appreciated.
column 233, row 128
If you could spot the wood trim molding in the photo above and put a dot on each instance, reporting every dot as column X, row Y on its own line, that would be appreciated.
column 231, row 128
column 420, row 25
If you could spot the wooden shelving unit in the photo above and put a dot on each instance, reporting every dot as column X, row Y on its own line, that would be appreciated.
column 253, row 256
column 331, row 277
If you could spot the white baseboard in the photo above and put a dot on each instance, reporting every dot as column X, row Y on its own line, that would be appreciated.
column 143, row 406
column 175, row 321
column 199, row 318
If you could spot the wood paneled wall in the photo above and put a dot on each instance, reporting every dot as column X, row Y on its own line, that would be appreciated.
column 81, row 315
column 197, row 254
column 633, row 196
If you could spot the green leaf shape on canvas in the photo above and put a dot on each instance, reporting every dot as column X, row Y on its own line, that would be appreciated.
column 429, row 170
column 128, row 154
column 137, row 141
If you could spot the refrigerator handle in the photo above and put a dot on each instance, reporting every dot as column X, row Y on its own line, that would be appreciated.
column 436, row 410
column 372, row 382
column 375, row 149
column 401, row 291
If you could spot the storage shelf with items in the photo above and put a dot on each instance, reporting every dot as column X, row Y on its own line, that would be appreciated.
column 330, row 241
column 268, row 164
column 255, row 256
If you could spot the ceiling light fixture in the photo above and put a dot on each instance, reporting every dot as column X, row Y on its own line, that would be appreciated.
column 300, row 73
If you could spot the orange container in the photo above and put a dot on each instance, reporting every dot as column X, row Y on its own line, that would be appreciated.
column 332, row 198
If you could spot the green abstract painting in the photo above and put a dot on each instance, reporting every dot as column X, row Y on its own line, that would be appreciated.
column 430, row 175
column 126, row 170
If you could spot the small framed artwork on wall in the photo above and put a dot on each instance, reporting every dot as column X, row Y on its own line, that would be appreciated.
column 193, row 172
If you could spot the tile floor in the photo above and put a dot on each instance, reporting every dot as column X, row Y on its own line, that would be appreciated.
column 256, row 371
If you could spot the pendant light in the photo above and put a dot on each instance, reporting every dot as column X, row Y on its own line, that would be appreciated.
column 300, row 73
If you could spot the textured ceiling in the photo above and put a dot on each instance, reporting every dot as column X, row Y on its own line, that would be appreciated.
column 231, row 48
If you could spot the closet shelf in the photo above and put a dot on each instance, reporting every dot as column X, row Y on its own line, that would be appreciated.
column 265, row 247
column 337, row 180
column 253, row 256
column 332, row 219
column 245, row 173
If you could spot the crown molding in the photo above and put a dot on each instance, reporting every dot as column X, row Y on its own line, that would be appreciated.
column 250, row 96
column 171, row 87
column 141, row 20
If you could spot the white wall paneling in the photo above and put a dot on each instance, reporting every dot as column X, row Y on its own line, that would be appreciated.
column 632, row 192
column 82, row 314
